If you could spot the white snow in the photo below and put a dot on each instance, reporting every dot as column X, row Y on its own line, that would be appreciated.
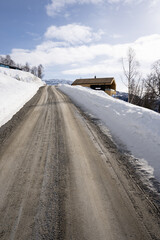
column 133, row 127
column 16, row 88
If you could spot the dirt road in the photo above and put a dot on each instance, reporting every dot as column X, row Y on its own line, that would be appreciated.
column 60, row 180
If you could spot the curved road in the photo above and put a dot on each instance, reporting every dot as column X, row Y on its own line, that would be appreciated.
column 59, row 181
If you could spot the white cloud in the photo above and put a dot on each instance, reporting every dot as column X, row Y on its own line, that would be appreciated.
column 48, row 45
column 105, row 67
column 56, row 6
column 126, row 1
column 116, row 36
column 153, row 4
column 73, row 33
column 88, row 59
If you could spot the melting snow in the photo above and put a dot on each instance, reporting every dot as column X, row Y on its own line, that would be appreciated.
column 135, row 127
column 16, row 88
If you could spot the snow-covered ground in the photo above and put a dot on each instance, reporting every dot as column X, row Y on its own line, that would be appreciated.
column 16, row 88
column 133, row 128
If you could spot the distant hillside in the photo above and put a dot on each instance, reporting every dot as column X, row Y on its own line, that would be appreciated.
column 121, row 95
column 57, row 81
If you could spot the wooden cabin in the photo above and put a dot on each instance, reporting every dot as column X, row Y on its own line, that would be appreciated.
column 107, row 85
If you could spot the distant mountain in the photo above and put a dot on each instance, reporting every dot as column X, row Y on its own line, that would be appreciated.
column 121, row 95
column 57, row 81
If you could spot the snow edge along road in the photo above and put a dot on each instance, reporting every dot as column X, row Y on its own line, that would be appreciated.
column 133, row 128
column 105, row 109
column 104, row 155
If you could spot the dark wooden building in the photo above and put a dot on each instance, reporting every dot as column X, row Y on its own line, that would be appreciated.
column 108, row 85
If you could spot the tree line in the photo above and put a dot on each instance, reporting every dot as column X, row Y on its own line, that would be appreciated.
column 144, row 92
column 36, row 70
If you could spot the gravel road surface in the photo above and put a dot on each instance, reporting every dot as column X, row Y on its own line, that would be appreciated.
column 60, row 179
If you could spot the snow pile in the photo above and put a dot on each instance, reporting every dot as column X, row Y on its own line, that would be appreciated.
column 20, row 75
column 16, row 88
column 133, row 127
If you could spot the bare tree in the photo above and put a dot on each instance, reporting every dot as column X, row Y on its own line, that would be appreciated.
column 34, row 70
column 132, row 76
column 152, row 87
column 37, row 71
column 40, row 71
column 154, row 79
column 26, row 67
column 7, row 60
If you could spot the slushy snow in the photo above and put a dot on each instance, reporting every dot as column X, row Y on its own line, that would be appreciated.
column 16, row 88
column 135, row 128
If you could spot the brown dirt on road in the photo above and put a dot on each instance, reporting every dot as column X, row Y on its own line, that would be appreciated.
column 11, row 125
column 59, row 178
column 32, row 167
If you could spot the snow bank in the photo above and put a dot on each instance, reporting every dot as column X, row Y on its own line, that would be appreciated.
column 135, row 127
column 21, row 75
column 16, row 88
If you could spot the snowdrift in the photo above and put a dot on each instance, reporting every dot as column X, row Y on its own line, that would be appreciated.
column 133, row 128
column 16, row 88
column 20, row 75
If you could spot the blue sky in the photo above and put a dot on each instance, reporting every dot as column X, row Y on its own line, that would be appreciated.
column 80, row 38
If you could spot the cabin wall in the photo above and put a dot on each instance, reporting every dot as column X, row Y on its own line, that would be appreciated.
column 110, row 92
column 109, row 89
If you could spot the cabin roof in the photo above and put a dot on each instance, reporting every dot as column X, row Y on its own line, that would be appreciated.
column 102, row 81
